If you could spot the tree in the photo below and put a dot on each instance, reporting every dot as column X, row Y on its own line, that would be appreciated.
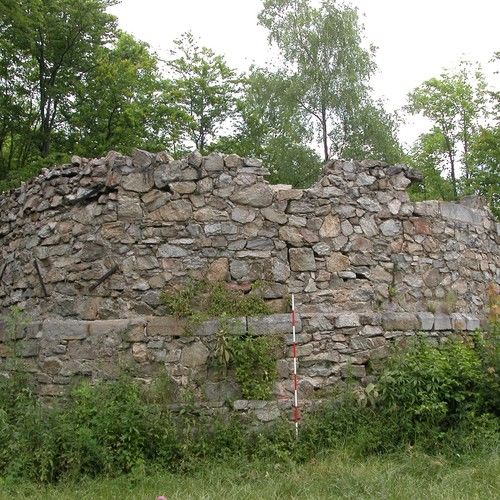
column 426, row 156
column 374, row 135
column 116, row 103
column 59, row 40
column 322, row 50
column 207, row 88
column 17, row 113
column 456, row 104
column 271, row 126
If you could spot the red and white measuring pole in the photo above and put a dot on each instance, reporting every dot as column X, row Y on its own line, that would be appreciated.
column 296, row 412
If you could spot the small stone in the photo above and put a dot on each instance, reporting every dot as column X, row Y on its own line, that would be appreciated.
column 330, row 227
column 195, row 159
column 233, row 161
column 346, row 228
column 252, row 162
column 140, row 352
column 400, row 321
column 214, row 162
column 274, row 216
column 390, row 227
column 194, row 355
column 363, row 179
column 346, row 320
column 337, row 262
column 369, row 204
column 458, row 322
column 442, row 322
column 243, row 215
column 141, row 158
column 302, row 259
column 256, row 195
column 426, row 320
column 322, row 249
column 185, row 187
column 218, row 270
column 140, row 182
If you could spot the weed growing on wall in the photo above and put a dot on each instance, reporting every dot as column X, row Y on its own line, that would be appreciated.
column 254, row 359
column 200, row 300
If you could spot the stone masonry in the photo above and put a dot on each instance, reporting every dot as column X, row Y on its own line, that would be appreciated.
column 89, row 247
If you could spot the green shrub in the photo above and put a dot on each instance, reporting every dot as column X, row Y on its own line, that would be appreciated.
column 201, row 300
column 434, row 384
column 254, row 361
column 434, row 399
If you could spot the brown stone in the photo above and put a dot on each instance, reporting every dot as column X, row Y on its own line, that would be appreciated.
column 337, row 262
column 330, row 227
column 218, row 270
column 302, row 259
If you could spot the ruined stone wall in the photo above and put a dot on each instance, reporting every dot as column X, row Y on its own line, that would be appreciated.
column 88, row 248
column 351, row 242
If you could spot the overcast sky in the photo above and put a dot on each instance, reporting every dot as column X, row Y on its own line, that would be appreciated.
column 416, row 39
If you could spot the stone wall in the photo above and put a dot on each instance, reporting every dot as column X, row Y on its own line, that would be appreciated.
column 331, row 347
column 144, row 223
column 88, row 248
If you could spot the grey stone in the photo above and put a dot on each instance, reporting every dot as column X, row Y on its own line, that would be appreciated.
column 274, row 324
column 141, row 158
column 252, row 162
column 140, row 182
column 274, row 216
column 400, row 321
column 347, row 319
column 337, row 262
column 64, row 330
column 369, row 204
column 426, row 320
column 457, row 212
column 302, row 259
column 472, row 323
column 322, row 249
column 171, row 251
column 257, row 195
column 195, row 159
column 233, row 161
column 390, row 227
column 363, row 179
column 442, row 322
column 368, row 226
column 194, row 355
column 243, row 215
column 214, row 162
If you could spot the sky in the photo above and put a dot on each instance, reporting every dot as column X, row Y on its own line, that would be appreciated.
column 415, row 39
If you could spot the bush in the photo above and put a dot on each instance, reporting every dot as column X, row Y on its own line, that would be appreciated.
column 434, row 384
column 435, row 398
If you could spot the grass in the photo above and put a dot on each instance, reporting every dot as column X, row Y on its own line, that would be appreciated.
column 338, row 474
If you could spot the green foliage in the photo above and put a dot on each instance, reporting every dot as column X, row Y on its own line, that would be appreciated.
column 322, row 49
column 207, row 89
column 440, row 400
column 201, row 300
column 435, row 385
column 485, row 167
column 254, row 360
column 456, row 104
